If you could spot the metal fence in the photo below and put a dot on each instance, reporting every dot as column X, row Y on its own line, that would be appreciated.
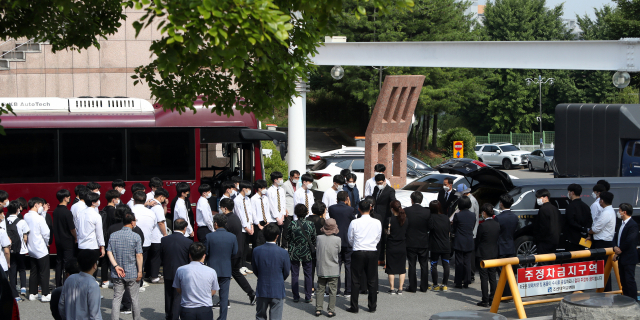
column 533, row 138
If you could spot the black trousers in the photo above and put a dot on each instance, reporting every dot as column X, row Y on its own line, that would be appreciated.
column 171, row 301
column 488, row 278
column 64, row 255
column 598, row 244
column 245, row 249
column 257, row 239
column 344, row 258
column 154, row 260
column 200, row 313
column 364, row 262
column 39, row 275
column 145, row 257
column 202, row 233
column 236, row 264
column 283, row 229
column 445, row 257
column 628, row 280
column 383, row 240
column 463, row 268
column 422, row 257
column 18, row 266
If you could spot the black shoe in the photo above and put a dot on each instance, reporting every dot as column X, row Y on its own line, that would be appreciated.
column 296, row 300
column 253, row 299
column 473, row 279
column 465, row 286
column 458, row 286
column 307, row 300
column 352, row 310
column 483, row 304
column 372, row 310
column 412, row 291
column 364, row 291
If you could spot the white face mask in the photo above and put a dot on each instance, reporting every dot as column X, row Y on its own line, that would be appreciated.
column 569, row 195
column 247, row 192
column 116, row 202
column 279, row 182
column 594, row 195
column 40, row 210
column 208, row 195
column 97, row 192
column 234, row 192
column 97, row 203
column 446, row 189
column 339, row 188
column 6, row 202
column 539, row 201
column 294, row 181
column 619, row 215
column 351, row 185
column 123, row 191
column 264, row 191
column 381, row 186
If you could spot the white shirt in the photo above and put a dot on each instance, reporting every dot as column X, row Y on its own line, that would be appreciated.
column 147, row 222
column 364, row 233
column 23, row 228
column 75, row 208
column 330, row 197
column 89, row 229
column 204, row 216
column 241, row 203
column 624, row 222
column 151, row 195
column 182, row 213
column 38, row 236
column 257, row 209
column 596, row 209
column 158, row 211
column 130, row 203
column 370, row 185
column 4, row 242
column 299, row 197
column 273, row 192
column 604, row 227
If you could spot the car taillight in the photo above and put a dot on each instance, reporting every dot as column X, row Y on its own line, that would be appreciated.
column 478, row 163
column 318, row 176
column 314, row 157
column 15, row 315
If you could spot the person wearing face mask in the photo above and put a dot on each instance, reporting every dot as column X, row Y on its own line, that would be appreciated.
column 64, row 230
column 329, row 197
column 18, row 231
column 546, row 227
column 487, row 248
column 370, row 185
column 290, row 187
column 261, row 212
column 352, row 190
column 595, row 206
column 80, row 205
column 160, row 197
column 304, row 195
column 578, row 219
column 384, row 195
column 446, row 196
column 236, row 183
column 508, row 224
column 90, row 231
column 94, row 187
column 119, row 185
column 108, row 219
column 624, row 243
column 244, row 210
column 154, row 183
column 604, row 226
column 277, row 200
column 180, row 209
column 38, row 249
column 204, row 215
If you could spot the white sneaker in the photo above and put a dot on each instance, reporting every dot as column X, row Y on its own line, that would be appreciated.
column 141, row 290
column 244, row 273
column 145, row 284
column 243, row 269
column 33, row 297
column 105, row 285
column 46, row 298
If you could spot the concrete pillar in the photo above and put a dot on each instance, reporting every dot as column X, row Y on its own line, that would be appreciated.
column 297, row 145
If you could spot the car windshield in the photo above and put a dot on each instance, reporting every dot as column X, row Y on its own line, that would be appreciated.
column 419, row 164
column 429, row 183
column 477, row 148
column 320, row 165
column 508, row 148
column 548, row 153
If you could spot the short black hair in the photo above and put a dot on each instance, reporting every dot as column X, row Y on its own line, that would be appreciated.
column 244, row 185
column 488, row 208
column 180, row 224
column 260, row 184
column 449, row 180
column 118, row 183
column 626, row 207
column 351, row 176
column 121, row 211
column 543, row 193
column 196, row 251
column 318, row 208
column 87, row 259
column 90, row 198
column 226, row 185
column 137, row 187
column 155, row 182
column 300, row 210
column 3, row 195
column 417, row 197
column 77, row 189
column 379, row 168
column 23, row 202
column 161, row 192
column 227, row 204
column 380, row 177
column 220, row 220
column 604, row 183
column 599, row 188
column 371, row 199
column 35, row 200
column 112, row 194
column 236, row 179
column 365, row 205
column 128, row 218
column 93, row 186
column 339, row 179
column 72, row 267
column 575, row 188
column 13, row 207
column 307, row 178
column 606, row 197
column 270, row 232
column 182, row 187
column 276, row 175
column 345, row 173
column 464, row 203
column 293, row 173
column 139, row 197
column 62, row 194
column 342, row 196
column 506, row 200
column 82, row 193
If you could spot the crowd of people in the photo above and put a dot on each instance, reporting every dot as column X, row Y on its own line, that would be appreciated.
column 287, row 228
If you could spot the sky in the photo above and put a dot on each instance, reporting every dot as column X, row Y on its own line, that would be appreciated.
column 573, row 7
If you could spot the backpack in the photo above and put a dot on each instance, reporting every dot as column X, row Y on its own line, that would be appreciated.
column 14, row 235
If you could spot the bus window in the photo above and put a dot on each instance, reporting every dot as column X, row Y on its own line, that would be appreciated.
column 211, row 155
column 168, row 152
column 91, row 154
column 29, row 156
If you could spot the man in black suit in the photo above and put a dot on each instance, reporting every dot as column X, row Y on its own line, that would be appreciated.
column 578, row 219
column 508, row 226
column 384, row 194
column 343, row 213
column 446, row 196
column 462, row 227
column 487, row 248
column 174, row 250
column 418, row 242
column 546, row 227
column 625, row 242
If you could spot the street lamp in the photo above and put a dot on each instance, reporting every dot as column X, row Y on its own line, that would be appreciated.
column 540, row 81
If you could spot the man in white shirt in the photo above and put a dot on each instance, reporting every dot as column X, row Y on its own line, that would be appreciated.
column 147, row 222
column 304, row 195
column 79, row 206
column 89, row 228
column 204, row 215
column 160, row 196
column 595, row 206
column 370, row 184
column 37, row 245
column 19, row 256
column 228, row 187
column 261, row 212
column 363, row 235
column 277, row 200
column 290, row 187
column 604, row 227
column 244, row 210
column 184, row 191
column 154, row 184
column 330, row 196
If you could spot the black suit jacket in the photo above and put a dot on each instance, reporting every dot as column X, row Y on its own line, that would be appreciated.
column 463, row 224
column 487, row 239
column 546, row 226
column 577, row 219
column 174, row 250
column 382, row 208
column 628, row 242
column 343, row 214
column 418, row 230
column 446, row 204
column 508, row 226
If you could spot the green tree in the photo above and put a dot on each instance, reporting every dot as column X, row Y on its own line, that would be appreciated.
column 458, row 134
column 274, row 163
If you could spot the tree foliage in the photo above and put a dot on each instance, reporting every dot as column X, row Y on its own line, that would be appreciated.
column 458, row 134
column 274, row 163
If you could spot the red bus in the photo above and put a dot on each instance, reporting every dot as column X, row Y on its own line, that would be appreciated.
column 55, row 143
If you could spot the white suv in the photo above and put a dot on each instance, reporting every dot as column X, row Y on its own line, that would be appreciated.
column 501, row 154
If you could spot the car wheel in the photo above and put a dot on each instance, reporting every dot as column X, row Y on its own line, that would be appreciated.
column 546, row 167
column 526, row 247
column 506, row 163
column 530, row 166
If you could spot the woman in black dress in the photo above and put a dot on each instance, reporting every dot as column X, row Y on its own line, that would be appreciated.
column 396, row 246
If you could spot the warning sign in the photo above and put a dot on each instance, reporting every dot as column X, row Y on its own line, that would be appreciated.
column 458, row 149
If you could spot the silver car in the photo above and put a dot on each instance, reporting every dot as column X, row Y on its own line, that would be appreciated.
column 540, row 159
